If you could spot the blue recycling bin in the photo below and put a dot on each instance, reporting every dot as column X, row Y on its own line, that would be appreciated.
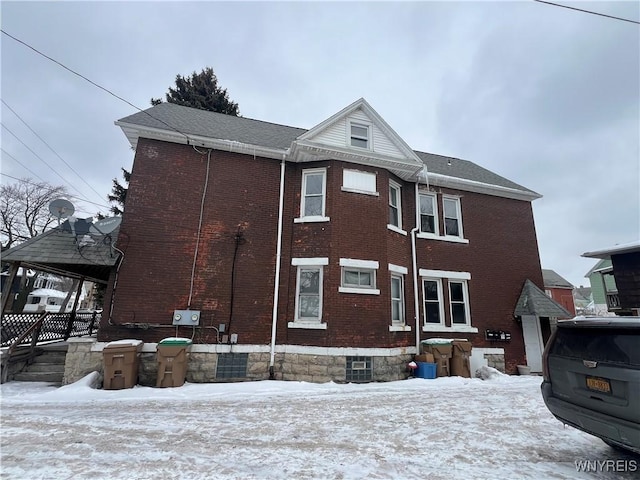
column 426, row 370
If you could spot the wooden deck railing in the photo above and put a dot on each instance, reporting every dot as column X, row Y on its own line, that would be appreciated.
column 31, row 329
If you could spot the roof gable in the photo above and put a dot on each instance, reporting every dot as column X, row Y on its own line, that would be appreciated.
column 331, row 138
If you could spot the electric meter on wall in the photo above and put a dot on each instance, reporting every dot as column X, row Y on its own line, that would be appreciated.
column 186, row 317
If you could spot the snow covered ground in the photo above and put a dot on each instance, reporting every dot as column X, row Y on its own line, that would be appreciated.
column 448, row 428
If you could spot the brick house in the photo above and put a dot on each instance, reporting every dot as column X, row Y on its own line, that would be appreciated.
column 321, row 254
column 560, row 289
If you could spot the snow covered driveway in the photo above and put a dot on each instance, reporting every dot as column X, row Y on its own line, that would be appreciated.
column 447, row 428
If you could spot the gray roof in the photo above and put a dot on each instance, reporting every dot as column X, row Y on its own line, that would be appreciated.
column 58, row 251
column 553, row 280
column 534, row 301
column 191, row 121
column 456, row 167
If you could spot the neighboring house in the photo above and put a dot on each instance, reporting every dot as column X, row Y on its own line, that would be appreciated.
column 560, row 290
column 583, row 300
column 46, row 300
column 603, row 288
column 617, row 274
column 321, row 254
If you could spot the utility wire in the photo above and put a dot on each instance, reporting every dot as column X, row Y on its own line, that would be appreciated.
column 40, row 158
column 22, row 165
column 95, row 84
column 588, row 11
column 51, row 148
column 44, row 181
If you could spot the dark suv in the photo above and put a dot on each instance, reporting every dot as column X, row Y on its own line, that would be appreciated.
column 591, row 378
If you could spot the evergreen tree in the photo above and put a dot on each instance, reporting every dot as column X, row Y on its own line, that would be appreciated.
column 119, row 193
column 200, row 90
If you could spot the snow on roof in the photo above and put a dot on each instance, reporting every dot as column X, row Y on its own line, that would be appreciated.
column 47, row 292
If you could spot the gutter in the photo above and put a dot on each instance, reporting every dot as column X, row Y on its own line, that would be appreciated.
column 414, row 264
column 276, row 286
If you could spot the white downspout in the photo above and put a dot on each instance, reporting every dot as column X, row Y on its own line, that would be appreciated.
column 276, row 287
column 415, row 287
column 415, row 273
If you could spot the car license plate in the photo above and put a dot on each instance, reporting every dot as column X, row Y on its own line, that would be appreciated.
column 598, row 384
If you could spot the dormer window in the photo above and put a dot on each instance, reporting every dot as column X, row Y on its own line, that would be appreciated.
column 359, row 135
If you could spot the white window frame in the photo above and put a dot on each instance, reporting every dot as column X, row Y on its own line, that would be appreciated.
column 318, row 264
column 350, row 182
column 440, row 303
column 465, row 302
column 458, row 213
column 460, row 277
column 399, row 271
column 437, row 235
column 313, row 218
column 351, row 136
column 403, row 319
column 436, row 220
column 396, row 228
column 369, row 266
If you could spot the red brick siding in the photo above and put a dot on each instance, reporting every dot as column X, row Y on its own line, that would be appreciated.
column 160, row 226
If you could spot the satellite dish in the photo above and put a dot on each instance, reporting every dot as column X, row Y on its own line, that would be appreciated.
column 105, row 226
column 61, row 208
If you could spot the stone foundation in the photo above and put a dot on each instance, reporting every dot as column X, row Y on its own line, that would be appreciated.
column 496, row 361
column 330, row 365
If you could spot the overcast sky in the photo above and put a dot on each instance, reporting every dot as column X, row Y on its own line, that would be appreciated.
column 545, row 96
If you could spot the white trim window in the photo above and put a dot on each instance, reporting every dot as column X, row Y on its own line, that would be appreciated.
column 459, row 302
column 358, row 276
column 428, row 214
column 308, row 302
column 433, row 305
column 452, row 217
column 459, row 314
column 313, row 195
column 397, row 299
column 360, row 135
column 395, row 205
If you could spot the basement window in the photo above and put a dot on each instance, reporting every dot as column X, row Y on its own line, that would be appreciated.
column 359, row 369
column 232, row 365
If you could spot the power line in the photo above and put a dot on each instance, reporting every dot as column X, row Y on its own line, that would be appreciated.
column 51, row 148
column 588, row 11
column 35, row 185
column 39, row 158
column 22, row 165
column 95, row 84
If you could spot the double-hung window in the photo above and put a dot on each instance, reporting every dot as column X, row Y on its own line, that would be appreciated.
column 358, row 276
column 432, row 295
column 398, row 313
column 308, row 303
column 359, row 134
column 455, row 284
column 452, row 217
column 428, row 214
column 397, row 299
column 395, row 208
column 458, row 299
column 313, row 196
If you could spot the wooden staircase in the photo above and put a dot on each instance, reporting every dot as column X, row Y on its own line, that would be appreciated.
column 47, row 366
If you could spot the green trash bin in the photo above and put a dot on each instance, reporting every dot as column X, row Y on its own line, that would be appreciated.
column 173, row 355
